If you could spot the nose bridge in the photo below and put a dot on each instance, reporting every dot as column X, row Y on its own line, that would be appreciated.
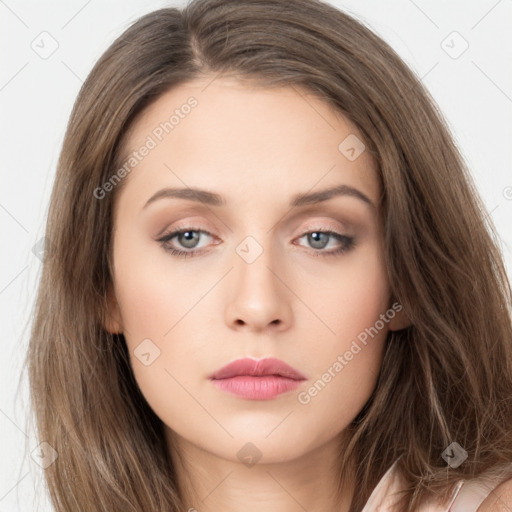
column 258, row 297
column 255, row 259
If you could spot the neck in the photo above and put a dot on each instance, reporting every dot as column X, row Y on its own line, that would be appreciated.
column 211, row 483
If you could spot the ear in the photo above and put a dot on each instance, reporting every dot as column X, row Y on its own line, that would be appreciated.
column 400, row 320
column 112, row 321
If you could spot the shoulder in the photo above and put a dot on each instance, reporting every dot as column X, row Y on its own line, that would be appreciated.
column 499, row 499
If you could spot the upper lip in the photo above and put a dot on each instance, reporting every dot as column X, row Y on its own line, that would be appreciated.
column 252, row 367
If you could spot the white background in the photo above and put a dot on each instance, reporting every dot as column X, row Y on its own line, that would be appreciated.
column 474, row 91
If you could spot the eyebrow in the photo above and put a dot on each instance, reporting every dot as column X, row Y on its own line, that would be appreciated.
column 214, row 199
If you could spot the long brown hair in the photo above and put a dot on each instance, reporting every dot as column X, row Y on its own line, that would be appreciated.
column 446, row 378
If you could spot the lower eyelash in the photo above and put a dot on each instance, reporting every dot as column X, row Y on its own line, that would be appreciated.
column 349, row 243
column 177, row 252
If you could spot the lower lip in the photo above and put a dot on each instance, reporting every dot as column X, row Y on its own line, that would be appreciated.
column 256, row 388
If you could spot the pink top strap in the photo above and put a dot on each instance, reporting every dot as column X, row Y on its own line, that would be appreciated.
column 382, row 496
column 466, row 497
column 472, row 494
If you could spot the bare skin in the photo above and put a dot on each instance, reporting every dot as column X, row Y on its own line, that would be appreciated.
column 257, row 148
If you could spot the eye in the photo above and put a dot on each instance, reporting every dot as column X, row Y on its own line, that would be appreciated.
column 320, row 239
column 187, row 238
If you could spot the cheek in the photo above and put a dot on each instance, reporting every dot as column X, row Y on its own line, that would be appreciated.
column 348, row 298
column 349, row 350
column 159, row 338
column 149, row 290
column 163, row 321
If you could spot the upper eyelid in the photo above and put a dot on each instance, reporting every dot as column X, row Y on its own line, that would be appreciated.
column 346, row 221
column 311, row 226
column 180, row 229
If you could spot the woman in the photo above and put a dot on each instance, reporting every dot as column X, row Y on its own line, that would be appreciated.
column 273, row 284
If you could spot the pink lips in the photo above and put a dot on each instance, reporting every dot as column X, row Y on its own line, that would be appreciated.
column 257, row 380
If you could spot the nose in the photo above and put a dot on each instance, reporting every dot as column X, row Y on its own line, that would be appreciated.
column 259, row 296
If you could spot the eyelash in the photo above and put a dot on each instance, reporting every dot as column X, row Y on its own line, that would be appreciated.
column 349, row 243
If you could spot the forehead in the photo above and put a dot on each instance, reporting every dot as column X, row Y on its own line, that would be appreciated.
column 223, row 134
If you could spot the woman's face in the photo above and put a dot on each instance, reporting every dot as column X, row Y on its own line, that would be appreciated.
column 259, row 278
